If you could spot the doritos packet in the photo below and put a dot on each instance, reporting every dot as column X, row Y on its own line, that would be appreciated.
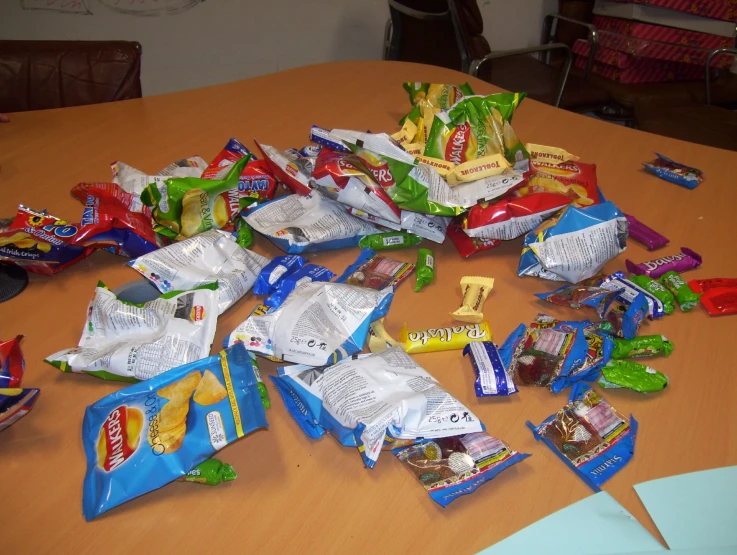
column 142, row 437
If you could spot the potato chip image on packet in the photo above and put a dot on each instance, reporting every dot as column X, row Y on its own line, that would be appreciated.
column 142, row 437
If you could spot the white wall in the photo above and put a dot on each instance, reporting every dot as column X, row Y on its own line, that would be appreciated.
column 225, row 40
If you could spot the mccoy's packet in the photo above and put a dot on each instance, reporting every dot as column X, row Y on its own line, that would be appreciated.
column 589, row 436
column 575, row 245
column 40, row 243
column 298, row 224
column 130, row 342
column 15, row 403
column 146, row 435
column 210, row 257
column 318, row 323
column 12, row 363
column 361, row 401
column 454, row 466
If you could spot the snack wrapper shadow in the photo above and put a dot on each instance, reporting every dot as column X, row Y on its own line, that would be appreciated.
column 589, row 436
column 142, row 437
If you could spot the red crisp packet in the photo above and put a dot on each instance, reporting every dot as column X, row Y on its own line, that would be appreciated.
column 115, row 220
column 576, row 180
column 12, row 363
column 465, row 245
column 289, row 168
column 720, row 302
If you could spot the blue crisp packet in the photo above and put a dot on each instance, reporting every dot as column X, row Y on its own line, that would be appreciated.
column 672, row 171
column 142, row 437
column 628, row 290
column 574, row 245
column 492, row 379
column 589, row 435
column 274, row 272
column 308, row 272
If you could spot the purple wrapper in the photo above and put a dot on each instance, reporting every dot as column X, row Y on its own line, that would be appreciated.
column 645, row 235
column 686, row 260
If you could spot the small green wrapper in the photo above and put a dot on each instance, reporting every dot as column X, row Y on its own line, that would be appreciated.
column 657, row 290
column 643, row 346
column 685, row 296
column 425, row 270
column 389, row 241
column 632, row 375
column 211, row 472
column 244, row 233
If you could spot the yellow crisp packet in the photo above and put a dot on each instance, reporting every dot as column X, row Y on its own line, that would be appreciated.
column 475, row 290
column 414, row 148
column 443, row 339
column 378, row 339
column 550, row 154
column 407, row 133
column 441, row 166
column 477, row 169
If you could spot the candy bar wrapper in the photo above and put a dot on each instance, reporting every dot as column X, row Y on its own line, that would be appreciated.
column 211, row 472
column 631, row 375
column 15, row 403
column 454, row 466
column 389, row 241
column 550, row 154
column 628, row 290
column 718, row 302
column 425, row 273
column 672, row 171
column 12, row 363
column 685, row 297
column 379, row 339
column 645, row 235
column 623, row 318
column 654, row 288
column 492, row 379
column 706, row 285
column 685, row 260
column 589, row 436
column 642, row 346
column 323, row 137
column 575, row 296
column 376, row 271
column 443, row 339
column 475, row 290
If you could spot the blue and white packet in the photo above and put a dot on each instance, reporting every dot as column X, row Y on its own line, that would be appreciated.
column 323, row 137
column 308, row 223
column 670, row 170
column 589, row 436
column 628, row 290
column 492, row 379
column 307, row 273
column 274, row 272
column 361, row 401
column 574, row 245
column 142, row 437
column 622, row 317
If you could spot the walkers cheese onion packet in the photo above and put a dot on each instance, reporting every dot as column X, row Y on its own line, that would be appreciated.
column 142, row 437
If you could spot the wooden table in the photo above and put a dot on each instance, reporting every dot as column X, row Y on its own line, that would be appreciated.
column 294, row 495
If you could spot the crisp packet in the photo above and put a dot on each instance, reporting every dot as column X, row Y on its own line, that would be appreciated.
column 12, row 363
column 253, row 335
column 443, row 339
column 114, row 220
column 622, row 317
column 376, row 271
column 307, row 273
column 211, row 472
column 706, row 285
column 134, row 181
column 131, row 342
column 428, row 226
column 575, row 296
column 210, row 257
column 628, row 290
column 548, row 352
column 219, row 167
column 270, row 276
column 15, row 403
column 425, row 190
column 323, row 137
column 343, row 177
column 549, row 154
column 475, row 291
column 454, row 466
column 685, row 297
column 298, row 224
column 575, row 180
column 390, row 240
column 589, row 435
column 642, row 346
column 320, row 322
column 492, row 378
column 645, row 235
column 290, row 168
column 718, row 302
column 360, row 401
column 634, row 376
column 255, row 182
column 574, row 245
column 425, row 273
column 186, row 206
column 439, row 96
column 40, row 243
column 465, row 245
column 142, row 437
column 685, row 260
column 672, row 171
column 654, row 288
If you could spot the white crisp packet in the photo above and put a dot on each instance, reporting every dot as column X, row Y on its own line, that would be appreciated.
column 212, row 256
column 123, row 341
column 135, row 181
column 428, row 226
column 387, row 393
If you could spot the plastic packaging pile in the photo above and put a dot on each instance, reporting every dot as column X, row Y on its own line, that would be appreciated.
column 457, row 168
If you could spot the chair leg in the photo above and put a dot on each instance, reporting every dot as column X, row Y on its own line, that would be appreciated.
column 387, row 39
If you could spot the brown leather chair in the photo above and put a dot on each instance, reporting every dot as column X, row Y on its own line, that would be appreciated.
column 37, row 75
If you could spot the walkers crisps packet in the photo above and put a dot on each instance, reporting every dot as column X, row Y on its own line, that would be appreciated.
column 142, row 437
column 439, row 96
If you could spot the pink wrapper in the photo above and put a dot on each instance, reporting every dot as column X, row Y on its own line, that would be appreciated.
column 645, row 235
column 685, row 260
